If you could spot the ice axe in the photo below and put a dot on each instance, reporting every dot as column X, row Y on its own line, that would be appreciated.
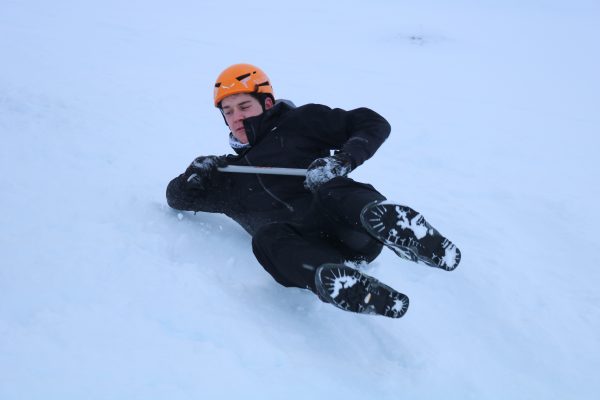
column 242, row 169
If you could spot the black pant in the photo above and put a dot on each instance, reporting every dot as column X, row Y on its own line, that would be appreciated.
column 331, row 232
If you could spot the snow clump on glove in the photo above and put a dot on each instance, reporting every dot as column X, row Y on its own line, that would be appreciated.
column 324, row 169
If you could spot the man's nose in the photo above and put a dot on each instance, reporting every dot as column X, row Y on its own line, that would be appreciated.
column 238, row 115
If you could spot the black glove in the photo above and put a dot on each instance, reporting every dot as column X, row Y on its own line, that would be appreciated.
column 201, row 172
column 324, row 169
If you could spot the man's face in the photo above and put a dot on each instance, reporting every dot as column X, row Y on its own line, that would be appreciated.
column 236, row 108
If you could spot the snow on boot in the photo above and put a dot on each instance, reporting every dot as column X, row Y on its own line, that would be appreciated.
column 409, row 235
column 351, row 290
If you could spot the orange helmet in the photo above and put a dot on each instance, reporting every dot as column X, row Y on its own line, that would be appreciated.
column 241, row 78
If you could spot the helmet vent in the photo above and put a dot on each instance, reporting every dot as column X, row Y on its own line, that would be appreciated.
column 242, row 77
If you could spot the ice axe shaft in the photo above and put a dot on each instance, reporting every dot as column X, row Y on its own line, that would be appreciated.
column 242, row 169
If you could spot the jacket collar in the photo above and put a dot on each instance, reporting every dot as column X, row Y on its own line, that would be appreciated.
column 258, row 127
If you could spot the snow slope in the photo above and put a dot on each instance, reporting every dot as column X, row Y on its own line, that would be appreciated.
column 106, row 293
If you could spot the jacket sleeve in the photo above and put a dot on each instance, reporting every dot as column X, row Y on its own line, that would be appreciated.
column 358, row 133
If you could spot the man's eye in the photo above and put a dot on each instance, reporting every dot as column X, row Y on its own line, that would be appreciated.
column 228, row 113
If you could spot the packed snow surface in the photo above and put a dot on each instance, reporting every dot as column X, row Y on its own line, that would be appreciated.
column 107, row 293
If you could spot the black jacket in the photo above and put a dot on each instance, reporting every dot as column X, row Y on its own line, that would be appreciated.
column 283, row 136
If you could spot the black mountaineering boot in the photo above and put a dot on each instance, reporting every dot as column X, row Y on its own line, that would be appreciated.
column 409, row 235
column 351, row 290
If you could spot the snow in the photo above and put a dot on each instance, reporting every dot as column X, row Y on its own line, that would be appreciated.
column 419, row 230
column 105, row 292
column 343, row 282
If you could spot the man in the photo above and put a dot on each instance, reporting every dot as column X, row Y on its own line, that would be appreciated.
column 305, row 228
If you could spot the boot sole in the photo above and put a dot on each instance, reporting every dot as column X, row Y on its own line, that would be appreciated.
column 333, row 281
column 409, row 235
